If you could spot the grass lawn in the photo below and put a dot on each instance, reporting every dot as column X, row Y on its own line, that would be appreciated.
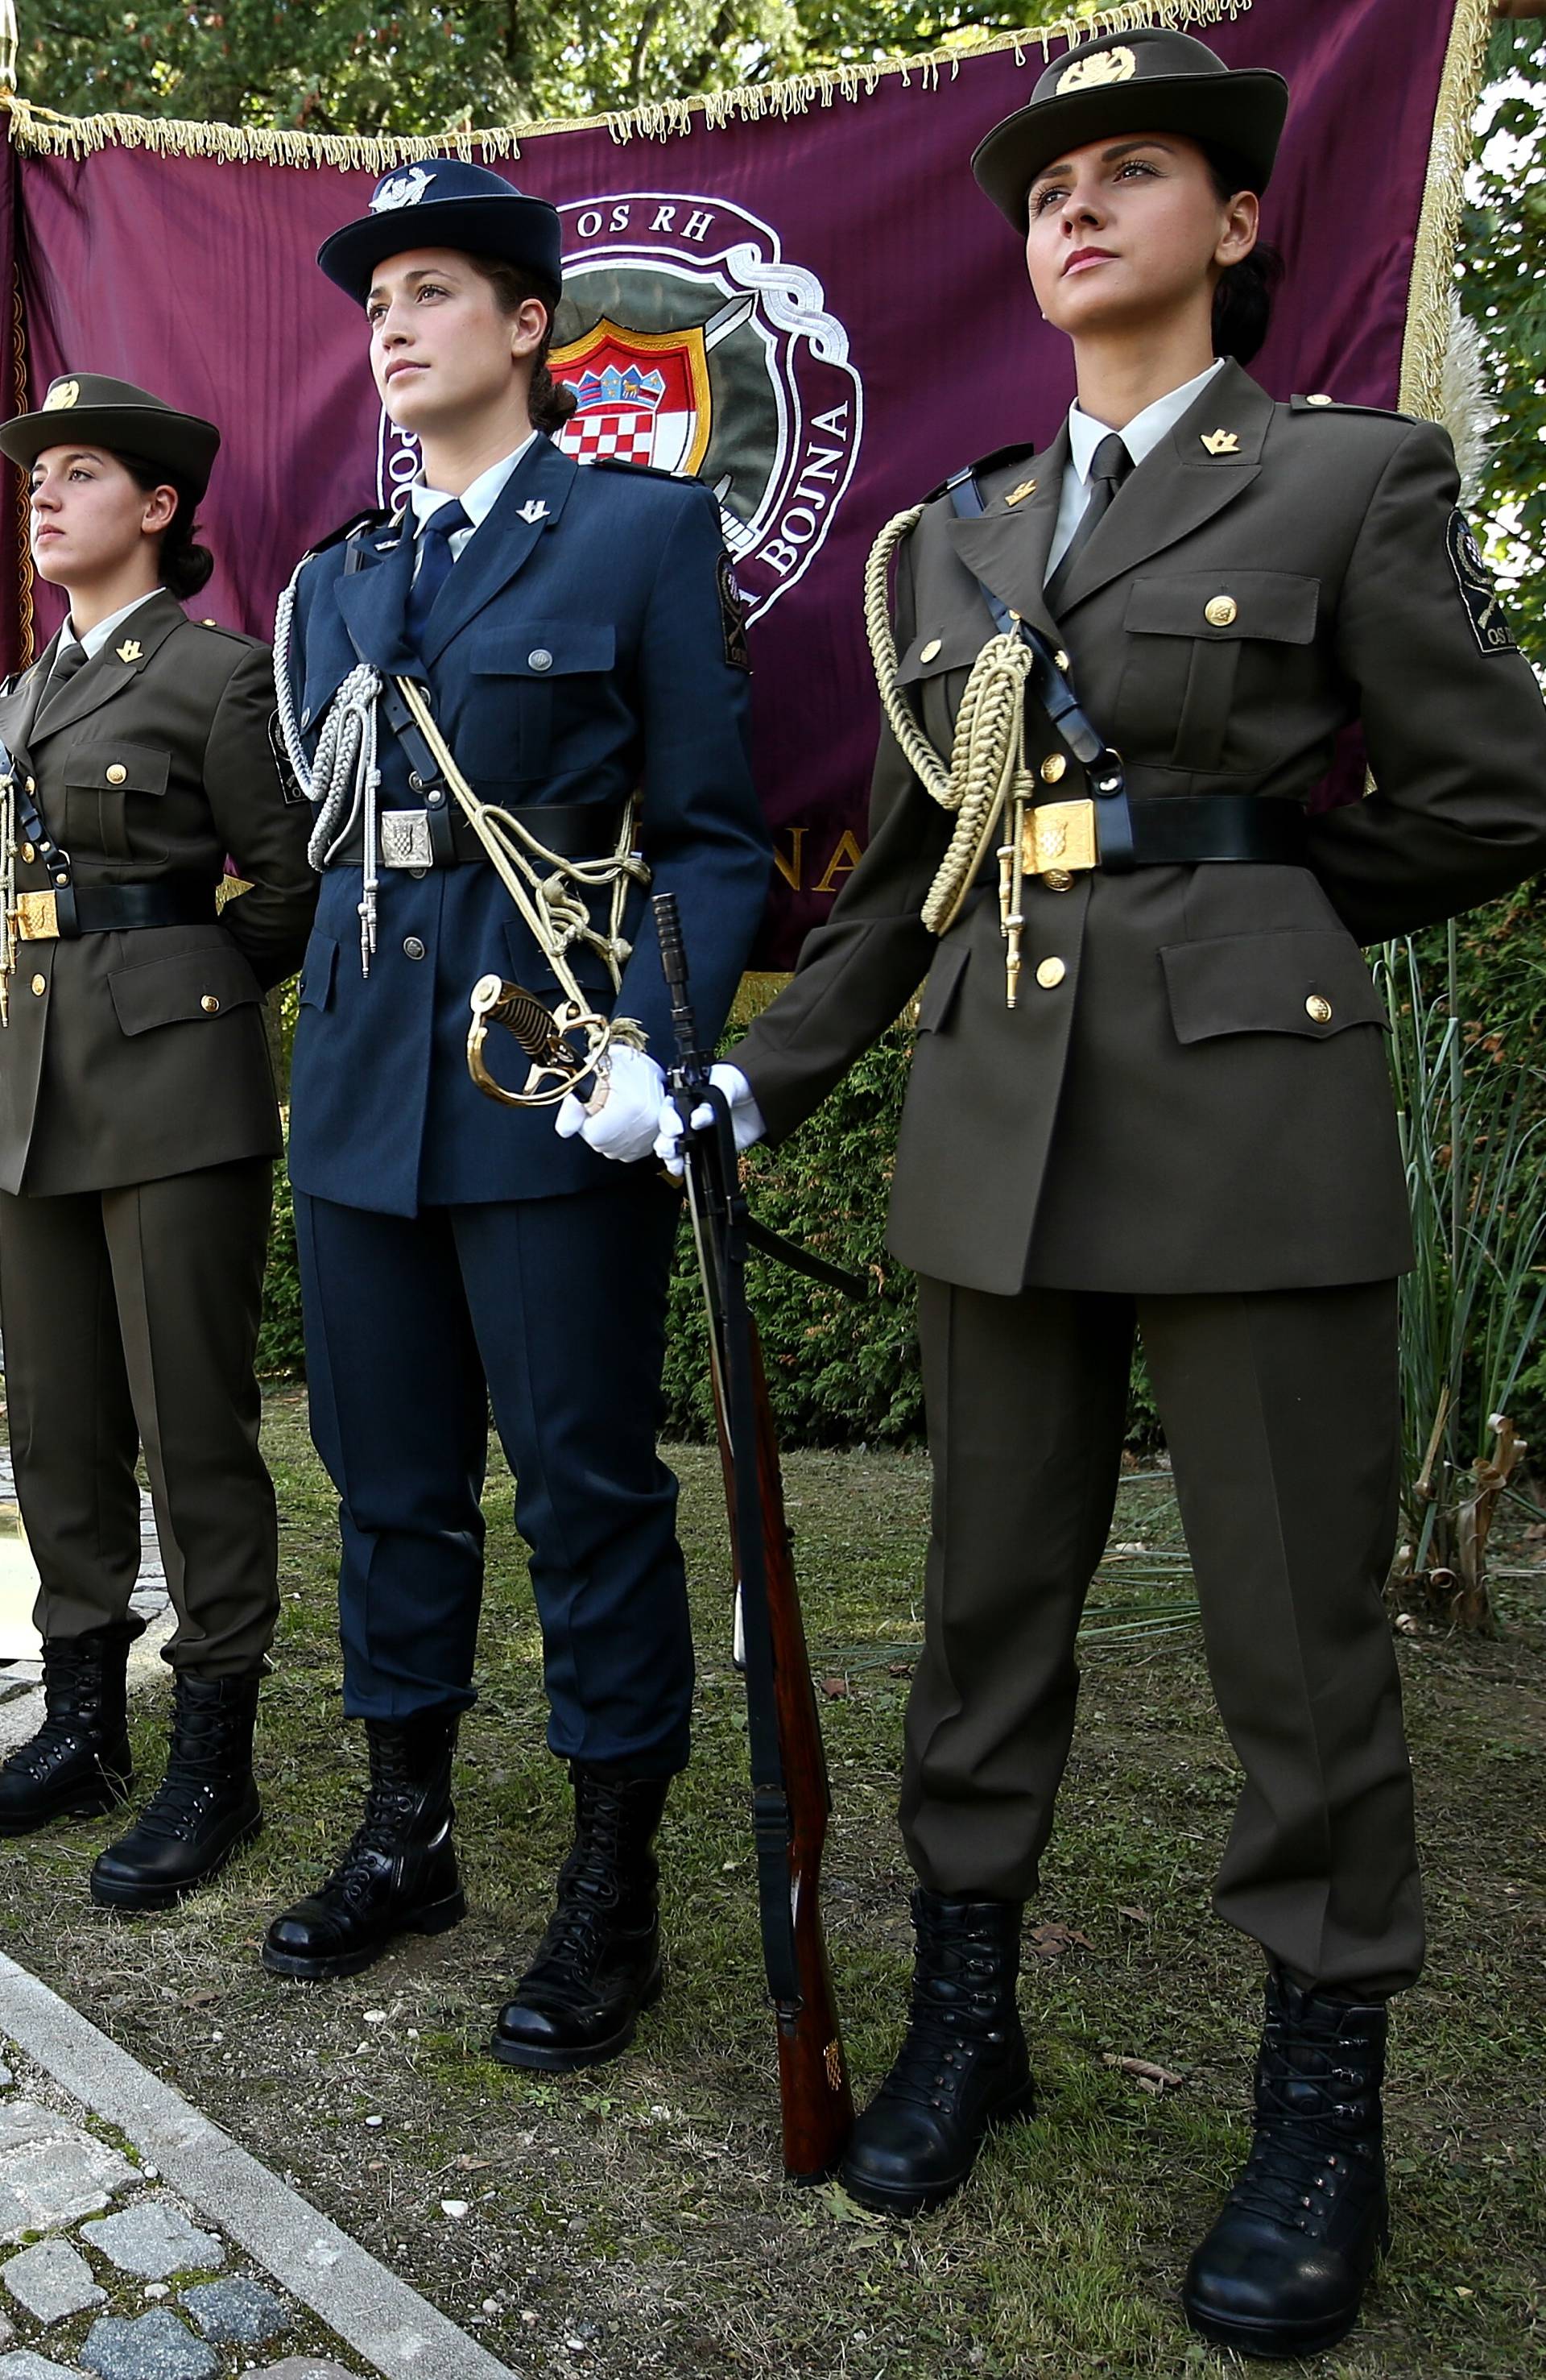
column 633, row 2220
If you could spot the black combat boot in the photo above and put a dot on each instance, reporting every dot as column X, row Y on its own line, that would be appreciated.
column 598, row 1963
column 205, row 1808
column 79, row 1762
column 962, row 2066
column 399, row 1873
column 1282, row 2272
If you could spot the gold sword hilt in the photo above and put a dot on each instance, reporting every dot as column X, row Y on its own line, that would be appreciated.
column 556, row 1065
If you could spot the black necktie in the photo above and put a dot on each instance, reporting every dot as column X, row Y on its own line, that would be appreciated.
column 67, row 660
column 435, row 559
column 1113, row 463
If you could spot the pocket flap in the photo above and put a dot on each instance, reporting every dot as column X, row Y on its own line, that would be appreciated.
column 315, row 988
column 116, row 769
column 541, row 649
column 1224, row 605
column 939, row 991
column 199, row 985
column 1310, row 983
column 933, row 651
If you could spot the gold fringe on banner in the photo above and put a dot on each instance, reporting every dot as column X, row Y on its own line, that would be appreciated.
column 43, row 133
column 1430, row 302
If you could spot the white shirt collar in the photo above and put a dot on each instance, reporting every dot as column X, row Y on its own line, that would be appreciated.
column 479, row 500
column 1143, row 432
column 95, row 638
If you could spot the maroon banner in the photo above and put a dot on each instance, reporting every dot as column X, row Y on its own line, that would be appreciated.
column 817, row 313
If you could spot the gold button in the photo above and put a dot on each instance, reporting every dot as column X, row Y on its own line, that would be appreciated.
column 1050, row 974
column 40, row 985
column 1057, row 880
column 1054, row 768
column 1319, row 1008
column 28, row 854
column 209, row 1004
column 1223, row 611
column 117, row 773
column 930, row 650
column 1319, row 400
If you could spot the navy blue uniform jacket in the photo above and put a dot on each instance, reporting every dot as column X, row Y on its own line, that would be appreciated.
column 571, row 657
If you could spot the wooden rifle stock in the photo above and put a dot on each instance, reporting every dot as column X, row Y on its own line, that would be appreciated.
column 792, row 1799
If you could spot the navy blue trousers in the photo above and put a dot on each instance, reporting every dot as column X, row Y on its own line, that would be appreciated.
column 553, row 1310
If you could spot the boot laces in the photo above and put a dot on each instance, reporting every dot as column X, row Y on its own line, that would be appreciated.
column 72, row 1714
column 390, row 1806
column 590, row 1892
column 196, row 1772
column 960, row 2006
column 1302, row 2158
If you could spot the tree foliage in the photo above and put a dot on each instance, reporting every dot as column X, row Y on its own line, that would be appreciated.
column 1503, row 284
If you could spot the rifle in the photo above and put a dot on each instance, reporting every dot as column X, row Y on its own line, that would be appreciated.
column 790, row 1797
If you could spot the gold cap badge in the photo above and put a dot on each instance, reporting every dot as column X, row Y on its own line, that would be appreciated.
column 1221, row 441
column 129, row 651
column 64, row 394
column 1119, row 65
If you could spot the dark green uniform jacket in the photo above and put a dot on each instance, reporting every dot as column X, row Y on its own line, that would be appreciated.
column 1167, row 1114
column 132, row 1056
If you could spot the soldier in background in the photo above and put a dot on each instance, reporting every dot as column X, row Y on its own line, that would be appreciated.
column 1181, row 1125
column 138, row 1128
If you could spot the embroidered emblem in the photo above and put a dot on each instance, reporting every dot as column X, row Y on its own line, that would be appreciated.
column 403, row 190
column 405, row 839
column 61, row 395
column 130, row 651
column 732, row 615
column 534, row 509
column 1119, row 65
column 1017, row 496
column 1221, row 441
column 1478, row 594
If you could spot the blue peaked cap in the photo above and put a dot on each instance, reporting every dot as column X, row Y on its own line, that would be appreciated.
column 445, row 202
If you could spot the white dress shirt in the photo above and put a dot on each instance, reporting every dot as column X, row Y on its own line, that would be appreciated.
column 1141, row 435
column 477, row 501
column 95, row 638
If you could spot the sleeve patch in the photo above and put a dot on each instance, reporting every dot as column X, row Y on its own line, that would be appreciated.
column 732, row 616
column 1478, row 594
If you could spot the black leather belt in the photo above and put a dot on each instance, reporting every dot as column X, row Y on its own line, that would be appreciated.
column 573, row 829
column 71, row 910
column 1183, row 828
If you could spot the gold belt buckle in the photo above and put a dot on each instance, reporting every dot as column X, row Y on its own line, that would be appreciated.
column 1058, row 837
column 37, row 918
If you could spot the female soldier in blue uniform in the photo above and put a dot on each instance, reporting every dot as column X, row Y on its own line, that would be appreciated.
column 575, row 635
column 1150, row 1091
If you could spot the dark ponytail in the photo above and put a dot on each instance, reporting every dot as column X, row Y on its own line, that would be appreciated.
column 549, row 402
column 185, row 567
column 1243, row 300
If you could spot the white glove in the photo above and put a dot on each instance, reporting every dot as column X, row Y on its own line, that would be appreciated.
column 746, row 1119
column 623, row 1115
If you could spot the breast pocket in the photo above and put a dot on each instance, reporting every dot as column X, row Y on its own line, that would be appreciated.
column 106, row 786
column 1187, row 633
column 524, row 676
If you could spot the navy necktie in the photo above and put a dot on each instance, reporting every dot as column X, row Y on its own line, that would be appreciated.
column 435, row 559
column 1112, row 465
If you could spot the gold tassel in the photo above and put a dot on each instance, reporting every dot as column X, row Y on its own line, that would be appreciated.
column 43, row 133
column 1428, row 302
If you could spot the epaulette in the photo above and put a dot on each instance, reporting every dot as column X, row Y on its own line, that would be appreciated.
column 1016, row 453
column 641, row 470
column 218, row 628
column 1335, row 404
column 374, row 516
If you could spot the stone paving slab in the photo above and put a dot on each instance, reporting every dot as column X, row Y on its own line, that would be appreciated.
column 52, row 2281
column 21, row 1713
column 210, row 2198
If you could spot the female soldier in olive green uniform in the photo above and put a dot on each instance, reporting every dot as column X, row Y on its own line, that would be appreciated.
column 139, row 1127
column 1182, row 1124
